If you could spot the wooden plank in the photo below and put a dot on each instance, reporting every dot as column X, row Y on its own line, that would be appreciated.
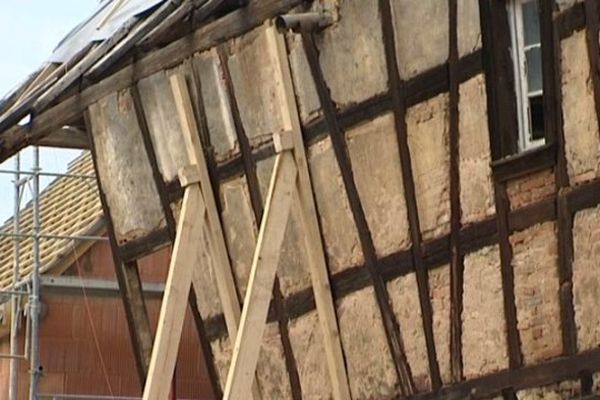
column 262, row 276
column 222, row 266
column 508, row 285
column 339, row 147
column 457, row 259
column 187, row 252
column 257, row 208
column 171, row 229
column 310, row 226
column 399, row 101
column 212, row 225
column 130, row 285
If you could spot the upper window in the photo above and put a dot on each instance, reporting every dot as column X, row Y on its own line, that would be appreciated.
column 524, row 17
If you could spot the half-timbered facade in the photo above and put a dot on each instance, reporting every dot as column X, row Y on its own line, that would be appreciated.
column 442, row 241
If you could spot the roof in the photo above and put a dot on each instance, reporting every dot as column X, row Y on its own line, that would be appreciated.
column 87, row 53
column 68, row 206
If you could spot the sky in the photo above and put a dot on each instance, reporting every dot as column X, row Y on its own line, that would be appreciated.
column 29, row 31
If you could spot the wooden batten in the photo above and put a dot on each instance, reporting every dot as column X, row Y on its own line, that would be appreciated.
column 257, row 207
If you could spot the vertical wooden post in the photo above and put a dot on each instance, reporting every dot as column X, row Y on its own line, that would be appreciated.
column 212, row 225
column 310, row 226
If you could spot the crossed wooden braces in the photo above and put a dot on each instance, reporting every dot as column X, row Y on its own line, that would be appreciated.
column 199, row 224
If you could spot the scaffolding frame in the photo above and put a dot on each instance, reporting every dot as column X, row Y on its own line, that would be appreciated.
column 29, row 286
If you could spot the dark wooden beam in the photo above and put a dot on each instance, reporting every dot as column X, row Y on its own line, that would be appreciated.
column 397, row 89
column 256, row 201
column 143, row 246
column 473, row 237
column 129, row 281
column 457, row 260
column 508, row 280
column 341, row 154
column 172, row 231
column 553, row 371
column 553, row 117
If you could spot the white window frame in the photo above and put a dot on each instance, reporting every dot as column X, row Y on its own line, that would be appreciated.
column 517, row 35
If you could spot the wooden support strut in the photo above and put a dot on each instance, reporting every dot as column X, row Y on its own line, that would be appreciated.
column 256, row 201
column 308, row 218
column 262, row 277
column 211, row 224
column 187, row 252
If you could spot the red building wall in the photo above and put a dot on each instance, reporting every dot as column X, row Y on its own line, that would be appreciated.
column 75, row 363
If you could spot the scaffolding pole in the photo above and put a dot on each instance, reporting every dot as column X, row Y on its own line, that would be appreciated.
column 34, row 297
column 15, row 299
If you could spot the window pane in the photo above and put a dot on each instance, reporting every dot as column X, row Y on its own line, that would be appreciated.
column 534, row 69
column 531, row 22
column 536, row 115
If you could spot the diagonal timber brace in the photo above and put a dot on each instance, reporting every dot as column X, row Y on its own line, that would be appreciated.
column 262, row 277
column 199, row 221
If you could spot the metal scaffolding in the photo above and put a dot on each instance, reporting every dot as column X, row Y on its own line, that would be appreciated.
column 29, row 286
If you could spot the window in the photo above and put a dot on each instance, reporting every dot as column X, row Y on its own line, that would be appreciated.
column 526, row 49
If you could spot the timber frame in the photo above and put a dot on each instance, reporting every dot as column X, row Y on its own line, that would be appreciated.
column 422, row 257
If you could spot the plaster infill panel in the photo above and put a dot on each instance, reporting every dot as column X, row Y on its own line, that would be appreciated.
column 292, row 269
column 239, row 228
column 484, row 327
column 404, row 297
column 427, row 127
column 535, row 266
column 257, row 85
column 352, row 53
column 309, row 351
column 304, row 84
column 375, row 158
column 337, row 224
column 439, row 294
column 371, row 372
column 217, row 105
column 124, row 169
column 586, row 277
column 476, row 193
column 421, row 31
column 163, row 123
column 582, row 140
column 468, row 26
